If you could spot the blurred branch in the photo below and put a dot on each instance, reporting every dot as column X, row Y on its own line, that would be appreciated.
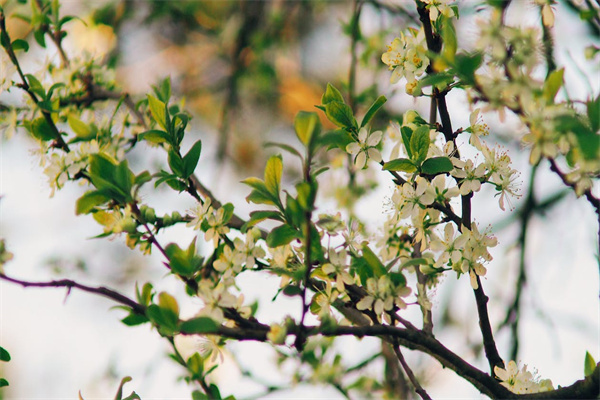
column 252, row 13
column 514, row 311
column 411, row 376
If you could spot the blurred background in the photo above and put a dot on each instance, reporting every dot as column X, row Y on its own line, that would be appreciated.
column 244, row 69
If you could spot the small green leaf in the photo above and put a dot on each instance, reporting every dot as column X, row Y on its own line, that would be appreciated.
column 285, row 147
column 4, row 355
column 158, row 110
column 273, row 172
column 258, row 216
column 168, row 302
column 190, row 160
column 134, row 319
column 80, row 128
column 199, row 325
column 419, row 144
column 414, row 262
column 3, row 382
column 35, row 86
column 589, row 364
column 119, row 394
column 39, row 37
column 42, row 130
column 340, row 114
column 20, row 44
column 155, row 136
column 331, row 94
column 89, row 200
column 176, row 163
column 400, row 164
column 373, row 261
column 292, row 290
column 466, row 64
column 593, row 112
column 282, row 235
column 306, row 125
column 377, row 104
column 406, row 135
column 449, row 39
column 553, row 84
column 336, row 139
column 436, row 165
column 4, row 40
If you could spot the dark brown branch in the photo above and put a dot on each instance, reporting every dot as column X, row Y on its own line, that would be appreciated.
column 411, row 376
column 69, row 284
column 418, row 340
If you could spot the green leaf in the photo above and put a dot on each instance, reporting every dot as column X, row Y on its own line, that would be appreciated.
column 3, row 382
column 331, row 94
column 227, row 212
column 42, row 130
column 466, row 64
column 134, row 319
column 398, row 278
column 124, row 179
column 184, row 263
column 20, row 44
column 39, row 37
column 190, row 160
column 340, row 114
column 273, row 172
column 414, row 262
column 119, row 394
column 406, row 135
column 168, row 302
column 377, row 104
column 4, row 355
column 306, row 125
column 285, row 147
column 258, row 216
column 199, row 325
column 176, row 163
column 80, row 128
column 400, row 164
column 419, row 144
column 158, row 110
column 155, row 136
column 589, row 364
column 258, row 197
column 35, row 86
column 338, row 138
column 449, row 39
column 4, row 40
column 89, row 200
column 282, row 235
column 292, row 290
column 436, row 165
column 553, row 84
column 373, row 261
column 593, row 112
column 306, row 195
column 439, row 80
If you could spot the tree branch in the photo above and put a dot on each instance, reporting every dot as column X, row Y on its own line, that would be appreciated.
column 69, row 284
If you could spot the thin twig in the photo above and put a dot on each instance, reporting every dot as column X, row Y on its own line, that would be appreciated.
column 68, row 283
column 411, row 376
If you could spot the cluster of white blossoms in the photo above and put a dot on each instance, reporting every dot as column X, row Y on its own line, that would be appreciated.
column 365, row 148
column 243, row 254
column 205, row 217
column 439, row 7
column 521, row 381
column 407, row 57
column 383, row 295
